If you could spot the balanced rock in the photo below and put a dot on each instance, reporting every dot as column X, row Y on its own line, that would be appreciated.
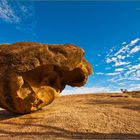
column 33, row 74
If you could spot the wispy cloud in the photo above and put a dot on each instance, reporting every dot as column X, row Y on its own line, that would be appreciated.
column 19, row 13
column 119, row 69
column 83, row 90
column 108, row 74
column 117, row 60
column 123, row 43
column 7, row 13
column 135, row 49
column 125, row 61
column 120, row 63
column 134, row 87
column 112, row 74
column 100, row 73
column 119, row 57
column 133, row 42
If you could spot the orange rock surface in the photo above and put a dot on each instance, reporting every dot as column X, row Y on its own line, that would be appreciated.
column 33, row 74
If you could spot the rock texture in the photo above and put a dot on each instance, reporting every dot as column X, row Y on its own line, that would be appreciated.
column 33, row 74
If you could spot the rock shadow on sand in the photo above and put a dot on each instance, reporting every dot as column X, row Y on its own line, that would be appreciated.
column 57, row 132
column 4, row 115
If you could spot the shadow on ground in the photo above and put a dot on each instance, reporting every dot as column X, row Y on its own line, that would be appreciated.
column 125, row 104
column 63, row 133
column 4, row 115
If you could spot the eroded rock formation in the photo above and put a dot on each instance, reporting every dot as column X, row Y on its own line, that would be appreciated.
column 33, row 74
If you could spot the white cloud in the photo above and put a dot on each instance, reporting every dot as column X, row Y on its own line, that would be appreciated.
column 7, row 13
column 124, row 61
column 112, row 74
column 116, row 79
column 133, row 72
column 84, row 90
column 122, row 84
column 108, row 74
column 138, row 73
column 21, row 14
column 124, row 52
column 133, row 42
column 133, row 87
column 109, row 60
column 119, row 69
column 135, row 49
column 134, row 67
column 100, row 73
column 121, row 57
column 117, row 58
column 123, row 43
column 130, row 72
column 119, row 63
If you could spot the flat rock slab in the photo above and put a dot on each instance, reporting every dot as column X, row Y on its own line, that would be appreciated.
column 89, row 116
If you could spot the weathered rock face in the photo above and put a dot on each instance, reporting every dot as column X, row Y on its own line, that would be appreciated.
column 33, row 74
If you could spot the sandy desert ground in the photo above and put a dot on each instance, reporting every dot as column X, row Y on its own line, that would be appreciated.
column 88, row 116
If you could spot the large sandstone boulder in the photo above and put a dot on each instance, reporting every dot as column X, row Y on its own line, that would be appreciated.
column 33, row 74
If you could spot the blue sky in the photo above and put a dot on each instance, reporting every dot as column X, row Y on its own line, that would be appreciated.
column 109, row 32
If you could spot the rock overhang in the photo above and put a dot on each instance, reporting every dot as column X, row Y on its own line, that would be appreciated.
column 33, row 74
